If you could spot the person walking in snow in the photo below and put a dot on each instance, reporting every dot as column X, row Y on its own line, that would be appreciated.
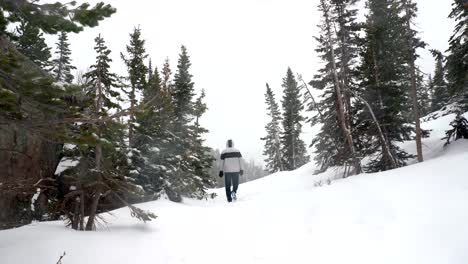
column 231, row 168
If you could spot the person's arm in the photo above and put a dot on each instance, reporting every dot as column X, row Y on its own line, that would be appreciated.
column 241, row 170
column 221, row 165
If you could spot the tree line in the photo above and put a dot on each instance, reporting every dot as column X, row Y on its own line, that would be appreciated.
column 373, row 93
column 108, row 156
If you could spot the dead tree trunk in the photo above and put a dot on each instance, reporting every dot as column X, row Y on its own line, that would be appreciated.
column 385, row 146
column 339, row 96
column 98, row 158
column 414, row 92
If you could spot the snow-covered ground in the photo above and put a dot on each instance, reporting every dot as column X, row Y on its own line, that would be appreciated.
column 415, row 214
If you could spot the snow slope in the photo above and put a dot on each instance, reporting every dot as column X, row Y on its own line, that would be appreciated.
column 415, row 214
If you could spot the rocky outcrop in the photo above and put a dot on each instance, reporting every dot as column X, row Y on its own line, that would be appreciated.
column 25, row 156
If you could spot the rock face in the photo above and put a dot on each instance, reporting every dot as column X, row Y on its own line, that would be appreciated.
column 25, row 158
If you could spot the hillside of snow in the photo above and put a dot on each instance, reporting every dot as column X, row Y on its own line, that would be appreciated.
column 415, row 214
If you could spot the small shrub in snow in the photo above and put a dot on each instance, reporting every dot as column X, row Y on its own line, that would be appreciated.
column 459, row 129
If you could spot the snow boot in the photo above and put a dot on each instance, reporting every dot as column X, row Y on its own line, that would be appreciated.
column 233, row 196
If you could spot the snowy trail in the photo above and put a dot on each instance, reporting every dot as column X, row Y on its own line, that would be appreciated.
column 415, row 214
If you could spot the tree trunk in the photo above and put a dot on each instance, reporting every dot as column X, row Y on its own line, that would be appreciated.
column 82, row 210
column 132, row 118
column 339, row 96
column 345, row 83
column 98, row 159
column 76, row 213
column 93, row 210
column 414, row 92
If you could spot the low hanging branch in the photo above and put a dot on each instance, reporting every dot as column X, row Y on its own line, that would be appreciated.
column 385, row 146
column 322, row 118
column 87, row 120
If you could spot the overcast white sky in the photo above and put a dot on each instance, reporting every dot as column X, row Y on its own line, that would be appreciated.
column 235, row 48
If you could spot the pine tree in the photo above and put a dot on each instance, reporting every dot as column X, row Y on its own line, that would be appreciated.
column 183, row 91
column 201, row 154
column 53, row 18
column 335, row 145
column 272, row 149
column 154, row 162
column 61, row 65
column 409, row 10
column 385, row 84
column 108, row 167
column 293, row 148
column 137, row 71
column 166, row 76
column 31, row 43
column 188, row 144
column 424, row 94
column 55, row 107
column 440, row 93
column 457, row 59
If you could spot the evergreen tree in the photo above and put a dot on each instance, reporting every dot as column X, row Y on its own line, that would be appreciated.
column 31, row 43
column 137, row 71
column 188, row 144
column 457, row 59
column 272, row 149
column 440, row 93
column 201, row 154
column 61, row 65
column 53, row 18
column 106, row 162
column 293, row 148
column 49, row 109
column 154, row 162
column 166, row 76
column 338, row 41
column 183, row 91
column 409, row 10
column 424, row 94
column 384, row 82
column 150, row 70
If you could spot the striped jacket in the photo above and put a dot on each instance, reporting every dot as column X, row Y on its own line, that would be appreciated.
column 231, row 160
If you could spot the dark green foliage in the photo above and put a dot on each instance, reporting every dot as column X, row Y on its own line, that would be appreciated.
column 272, row 149
column 31, row 43
column 54, row 17
column 103, row 166
column 457, row 59
column 424, row 95
column 134, row 61
column 101, row 80
column 166, row 75
column 137, row 71
column 154, row 156
column 439, row 85
column 183, row 90
column 27, row 95
column 459, row 129
column 293, row 148
column 330, row 144
column 384, row 76
column 61, row 65
column 193, row 162
column 201, row 159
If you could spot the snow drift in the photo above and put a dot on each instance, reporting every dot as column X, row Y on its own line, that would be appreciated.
column 415, row 214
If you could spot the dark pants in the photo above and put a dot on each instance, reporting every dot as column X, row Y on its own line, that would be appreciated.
column 228, row 178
